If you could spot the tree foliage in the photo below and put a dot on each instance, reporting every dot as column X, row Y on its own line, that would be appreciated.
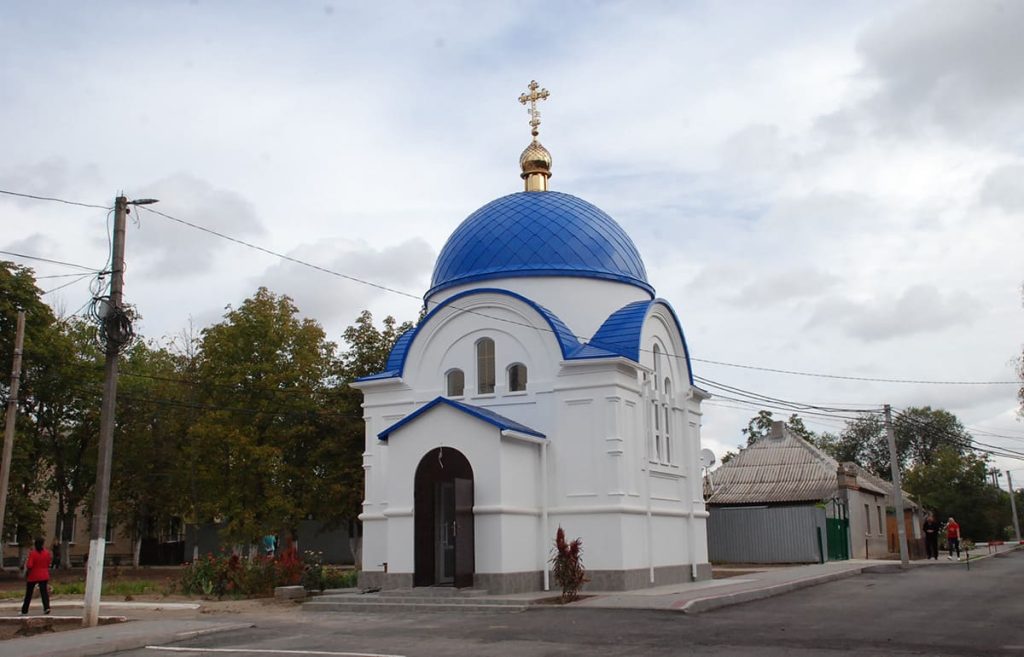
column 251, row 422
column 760, row 426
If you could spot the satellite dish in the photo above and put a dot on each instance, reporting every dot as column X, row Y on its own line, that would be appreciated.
column 707, row 458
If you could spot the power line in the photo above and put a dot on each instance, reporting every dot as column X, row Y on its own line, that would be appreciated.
column 55, row 200
column 52, row 262
column 853, row 378
column 386, row 288
column 965, row 441
column 277, row 254
column 64, row 285
column 584, row 339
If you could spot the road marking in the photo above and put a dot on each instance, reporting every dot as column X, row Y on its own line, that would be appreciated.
column 270, row 651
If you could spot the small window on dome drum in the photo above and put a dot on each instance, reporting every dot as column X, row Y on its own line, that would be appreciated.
column 485, row 366
column 516, row 377
column 455, row 383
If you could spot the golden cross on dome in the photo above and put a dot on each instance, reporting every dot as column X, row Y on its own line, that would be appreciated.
column 532, row 98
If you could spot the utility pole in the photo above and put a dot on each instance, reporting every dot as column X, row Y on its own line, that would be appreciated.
column 897, row 486
column 12, row 415
column 1013, row 506
column 98, row 530
column 117, row 333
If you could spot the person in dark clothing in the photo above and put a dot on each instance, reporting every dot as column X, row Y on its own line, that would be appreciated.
column 37, row 571
column 931, row 536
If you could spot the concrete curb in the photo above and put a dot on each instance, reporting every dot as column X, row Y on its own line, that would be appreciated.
column 715, row 602
column 88, row 642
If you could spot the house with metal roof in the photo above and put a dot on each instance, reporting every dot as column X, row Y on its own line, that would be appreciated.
column 545, row 386
column 783, row 500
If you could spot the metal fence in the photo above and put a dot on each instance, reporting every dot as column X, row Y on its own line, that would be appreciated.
column 767, row 534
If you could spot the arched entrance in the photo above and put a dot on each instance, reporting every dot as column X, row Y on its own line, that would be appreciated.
column 444, row 519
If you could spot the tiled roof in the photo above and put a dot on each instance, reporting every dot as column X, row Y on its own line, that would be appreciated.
column 866, row 479
column 786, row 469
column 538, row 234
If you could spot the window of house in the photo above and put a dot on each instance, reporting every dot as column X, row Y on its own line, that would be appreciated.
column 68, row 533
column 881, row 525
column 867, row 517
column 516, row 377
column 485, row 366
column 455, row 383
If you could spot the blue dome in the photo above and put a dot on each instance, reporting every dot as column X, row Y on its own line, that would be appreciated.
column 538, row 234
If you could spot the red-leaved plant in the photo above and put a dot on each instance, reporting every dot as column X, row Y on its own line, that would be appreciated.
column 567, row 566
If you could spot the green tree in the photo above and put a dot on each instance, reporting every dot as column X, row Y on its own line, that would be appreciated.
column 149, row 483
column 260, row 430
column 64, row 410
column 18, row 291
column 954, row 483
column 760, row 426
column 369, row 346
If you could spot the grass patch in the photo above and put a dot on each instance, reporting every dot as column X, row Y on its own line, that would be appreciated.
column 133, row 587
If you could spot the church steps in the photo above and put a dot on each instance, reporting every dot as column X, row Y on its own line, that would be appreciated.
column 364, row 603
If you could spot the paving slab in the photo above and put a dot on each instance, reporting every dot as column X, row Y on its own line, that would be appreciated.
column 105, row 639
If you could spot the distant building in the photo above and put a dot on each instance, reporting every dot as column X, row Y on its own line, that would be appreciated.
column 784, row 500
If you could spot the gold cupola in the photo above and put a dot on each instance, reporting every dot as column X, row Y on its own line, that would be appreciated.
column 535, row 161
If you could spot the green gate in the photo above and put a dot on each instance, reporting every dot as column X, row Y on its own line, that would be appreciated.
column 838, row 532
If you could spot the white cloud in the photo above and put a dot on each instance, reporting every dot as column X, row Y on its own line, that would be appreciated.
column 949, row 64
column 164, row 248
column 919, row 309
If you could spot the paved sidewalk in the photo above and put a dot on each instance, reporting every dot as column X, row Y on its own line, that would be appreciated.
column 690, row 597
column 106, row 639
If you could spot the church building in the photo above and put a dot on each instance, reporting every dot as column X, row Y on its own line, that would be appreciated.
column 546, row 386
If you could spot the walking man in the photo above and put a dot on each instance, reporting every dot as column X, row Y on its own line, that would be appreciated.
column 931, row 536
column 953, row 537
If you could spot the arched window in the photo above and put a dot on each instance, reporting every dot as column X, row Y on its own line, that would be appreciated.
column 485, row 366
column 516, row 377
column 455, row 383
column 657, row 365
column 666, row 409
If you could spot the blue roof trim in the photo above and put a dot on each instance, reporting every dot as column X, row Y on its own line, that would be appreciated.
column 621, row 333
column 397, row 356
column 500, row 421
column 538, row 234
column 568, row 343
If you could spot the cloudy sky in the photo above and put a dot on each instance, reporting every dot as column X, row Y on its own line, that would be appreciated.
column 822, row 187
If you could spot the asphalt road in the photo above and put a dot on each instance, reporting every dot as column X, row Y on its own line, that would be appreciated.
column 927, row 611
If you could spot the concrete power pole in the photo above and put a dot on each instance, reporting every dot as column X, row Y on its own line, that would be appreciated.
column 897, row 485
column 116, row 331
column 12, row 414
column 1013, row 506
column 98, row 530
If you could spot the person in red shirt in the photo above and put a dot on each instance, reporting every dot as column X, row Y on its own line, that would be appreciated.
column 37, row 571
column 953, row 537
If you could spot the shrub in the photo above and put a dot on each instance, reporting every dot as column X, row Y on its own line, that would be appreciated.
column 567, row 566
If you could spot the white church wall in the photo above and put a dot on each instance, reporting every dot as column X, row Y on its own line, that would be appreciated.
column 449, row 340
column 582, row 303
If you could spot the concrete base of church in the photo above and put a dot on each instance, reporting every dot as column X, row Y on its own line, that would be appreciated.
column 640, row 578
column 379, row 580
column 525, row 582
column 503, row 583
